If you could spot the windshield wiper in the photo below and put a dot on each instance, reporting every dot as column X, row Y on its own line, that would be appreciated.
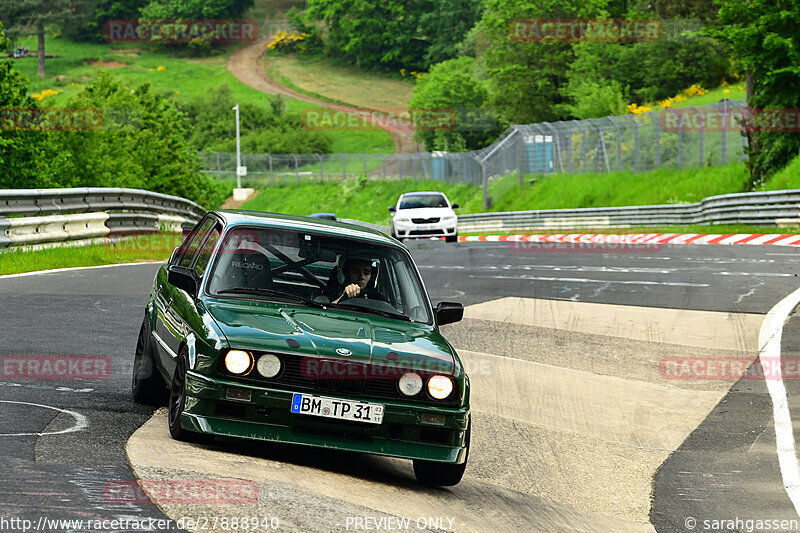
column 375, row 311
column 271, row 292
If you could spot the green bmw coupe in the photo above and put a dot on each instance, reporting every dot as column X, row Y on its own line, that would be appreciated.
column 304, row 331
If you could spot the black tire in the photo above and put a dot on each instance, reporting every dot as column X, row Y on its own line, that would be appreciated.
column 147, row 387
column 451, row 238
column 435, row 474
column 177, row 400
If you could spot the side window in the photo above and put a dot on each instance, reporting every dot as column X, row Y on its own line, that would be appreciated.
column 190, row 249
column 204, row 256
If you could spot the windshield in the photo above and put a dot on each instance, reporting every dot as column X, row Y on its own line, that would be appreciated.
column 307, row 268
column 422, row 200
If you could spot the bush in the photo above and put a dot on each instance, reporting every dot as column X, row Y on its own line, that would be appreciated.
column 140, row 143
column 212, row 127
column 452, row 88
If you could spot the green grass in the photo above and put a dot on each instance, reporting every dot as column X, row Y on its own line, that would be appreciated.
column 735, row 92
column 155, row 247
column 187, row 78
column 340, row 85
column 788, row 178
column 662, row 186
column 368, row 199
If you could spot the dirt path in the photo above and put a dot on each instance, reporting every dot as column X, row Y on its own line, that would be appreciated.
column 247, row 64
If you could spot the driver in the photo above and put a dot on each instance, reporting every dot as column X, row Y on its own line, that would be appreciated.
column 354, row 276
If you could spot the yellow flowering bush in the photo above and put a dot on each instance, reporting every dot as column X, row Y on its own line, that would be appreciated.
column 287, row 41
column 44, row 94
column 160, row 68
column 695, row 90
column 636, row 109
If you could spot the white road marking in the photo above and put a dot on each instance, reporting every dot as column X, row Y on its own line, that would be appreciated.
column 69, row 269
column 769, row 341
column 586, row 280
column 81, row 422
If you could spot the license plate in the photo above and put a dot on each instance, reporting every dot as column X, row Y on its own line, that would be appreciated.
column 423, row 227
column 307, row 404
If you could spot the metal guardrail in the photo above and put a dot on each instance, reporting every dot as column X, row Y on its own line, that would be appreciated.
column 44, row 216
column 759, row 208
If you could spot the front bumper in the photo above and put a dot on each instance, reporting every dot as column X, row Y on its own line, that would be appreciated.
column 411, row 230
column 267, row 416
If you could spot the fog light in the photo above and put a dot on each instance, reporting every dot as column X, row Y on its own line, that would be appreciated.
column 440, row 387
column 238, row 362
column 268, row 365
column 410, row 384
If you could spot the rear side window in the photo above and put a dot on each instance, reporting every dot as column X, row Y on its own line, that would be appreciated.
column 204, row 256
column 194, row 241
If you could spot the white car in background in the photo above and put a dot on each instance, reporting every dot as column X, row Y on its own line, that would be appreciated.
column 424, row 214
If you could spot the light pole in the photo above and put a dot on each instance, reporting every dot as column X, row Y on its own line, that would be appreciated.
column 238, row 151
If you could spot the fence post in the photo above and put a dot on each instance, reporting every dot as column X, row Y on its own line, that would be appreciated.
column 724, row 138
column 658, row 138
column 583, row 149
column 364, row 159
column 619, row 142
column 485, row 185
column 383, row 166
column 635, row 143
column 700, row 134
column 321, row 172
column 344, row 167
column 219, row 167
column 271, row 173
column 296, row 167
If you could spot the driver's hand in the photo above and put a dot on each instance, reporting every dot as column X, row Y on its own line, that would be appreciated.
column 352, row 290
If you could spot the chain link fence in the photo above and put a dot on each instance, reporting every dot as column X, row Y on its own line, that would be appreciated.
column 681, row 138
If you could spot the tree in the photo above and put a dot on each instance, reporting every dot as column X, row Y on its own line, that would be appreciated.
column 27, row 17
column 395, row 34
column 451, row 91
column 525, row 76
column 762, row 36
column 140, row 142
column 21, row 158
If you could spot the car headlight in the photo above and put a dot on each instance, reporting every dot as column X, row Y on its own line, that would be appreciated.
column 410, row 384
column 268, row 365
column 398, row 219
column 440, row 387
column 448, row 218
column 238, row 362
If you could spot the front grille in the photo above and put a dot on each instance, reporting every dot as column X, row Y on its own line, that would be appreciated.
column 433, row 220
column 315, row 374
column 426, row 232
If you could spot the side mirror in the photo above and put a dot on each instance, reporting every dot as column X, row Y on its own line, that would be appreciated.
column 392, row 208
column 183, row 278
column 454, row 206
column 448, row 312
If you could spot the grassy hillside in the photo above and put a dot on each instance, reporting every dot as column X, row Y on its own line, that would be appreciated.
column 188, row 78
column 368, row 199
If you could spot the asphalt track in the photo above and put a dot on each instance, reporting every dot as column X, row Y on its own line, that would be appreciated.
column 601, row 442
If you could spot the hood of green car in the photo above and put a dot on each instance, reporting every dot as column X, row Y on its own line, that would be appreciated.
column 330, row 333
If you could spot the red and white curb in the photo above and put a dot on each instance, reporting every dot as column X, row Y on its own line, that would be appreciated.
column 782, row 239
